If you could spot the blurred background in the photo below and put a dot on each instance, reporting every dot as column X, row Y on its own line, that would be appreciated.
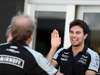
column 50, row 15
column 8, row 8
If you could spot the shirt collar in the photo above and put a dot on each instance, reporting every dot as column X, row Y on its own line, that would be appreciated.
column 83, row 51
column 19, row 43
column 69, row 49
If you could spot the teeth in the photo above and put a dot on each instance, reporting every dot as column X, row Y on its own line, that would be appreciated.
column 74, row 39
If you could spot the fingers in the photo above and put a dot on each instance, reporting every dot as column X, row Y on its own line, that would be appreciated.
column 55, row 39
column 55, row 33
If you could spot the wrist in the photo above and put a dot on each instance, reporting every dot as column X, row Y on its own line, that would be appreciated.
column 54, row 48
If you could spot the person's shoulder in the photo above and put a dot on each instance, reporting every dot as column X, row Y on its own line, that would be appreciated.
column 33, row 52
column 92, row 52
column 3, row 44
column 62, row 49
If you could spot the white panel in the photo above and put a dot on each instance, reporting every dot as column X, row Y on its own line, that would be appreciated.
column 53, row 8
column 87, row 9
column 69, row 17
column 30, row 10
column 64, row 2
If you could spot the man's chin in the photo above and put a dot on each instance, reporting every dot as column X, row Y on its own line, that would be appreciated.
column 75, row 45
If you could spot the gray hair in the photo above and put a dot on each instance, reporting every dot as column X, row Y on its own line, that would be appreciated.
column 8, row 31
column 22, row 31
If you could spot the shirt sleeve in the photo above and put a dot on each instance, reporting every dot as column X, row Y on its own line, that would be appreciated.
column 46, row 65
column 43, row 62
column 57, row 55
column 94, row 63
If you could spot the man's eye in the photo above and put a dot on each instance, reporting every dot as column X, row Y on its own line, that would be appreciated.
column 71, row 32
column 78, row 32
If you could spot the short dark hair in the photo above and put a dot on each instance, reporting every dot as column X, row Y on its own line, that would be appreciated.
column 82, row 24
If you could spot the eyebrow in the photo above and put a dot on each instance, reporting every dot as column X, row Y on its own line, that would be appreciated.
column 76, row 31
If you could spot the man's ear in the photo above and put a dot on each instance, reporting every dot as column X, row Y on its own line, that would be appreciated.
column 9, row 37
column 31, row 36
column 85, row 36
column 10, row 34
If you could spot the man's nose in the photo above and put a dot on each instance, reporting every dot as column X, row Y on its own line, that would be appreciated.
column 74, row 34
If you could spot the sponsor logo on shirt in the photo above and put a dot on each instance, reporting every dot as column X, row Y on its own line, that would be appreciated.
column 83, row 59
column 84, row 56
column 12, row 60
column 14, row 47
column 12, row 50
column 64, row 57
column 66, row 52
column 96, row 61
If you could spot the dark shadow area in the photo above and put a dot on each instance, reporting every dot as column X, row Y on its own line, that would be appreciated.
column 8, row 8
column 44, row 30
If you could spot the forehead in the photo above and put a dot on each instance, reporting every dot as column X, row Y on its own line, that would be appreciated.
column 76, row 28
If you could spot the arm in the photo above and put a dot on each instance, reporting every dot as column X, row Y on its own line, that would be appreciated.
column 89, row 72
column 55, row 42
column 42, row 65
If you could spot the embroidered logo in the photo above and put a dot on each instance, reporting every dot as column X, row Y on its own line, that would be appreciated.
column 83, row 59
column 14, row 47
column 64, row 57
column 12, row 50
column 12, row 60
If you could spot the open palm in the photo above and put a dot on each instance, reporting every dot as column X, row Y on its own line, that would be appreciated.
column 55, row 39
